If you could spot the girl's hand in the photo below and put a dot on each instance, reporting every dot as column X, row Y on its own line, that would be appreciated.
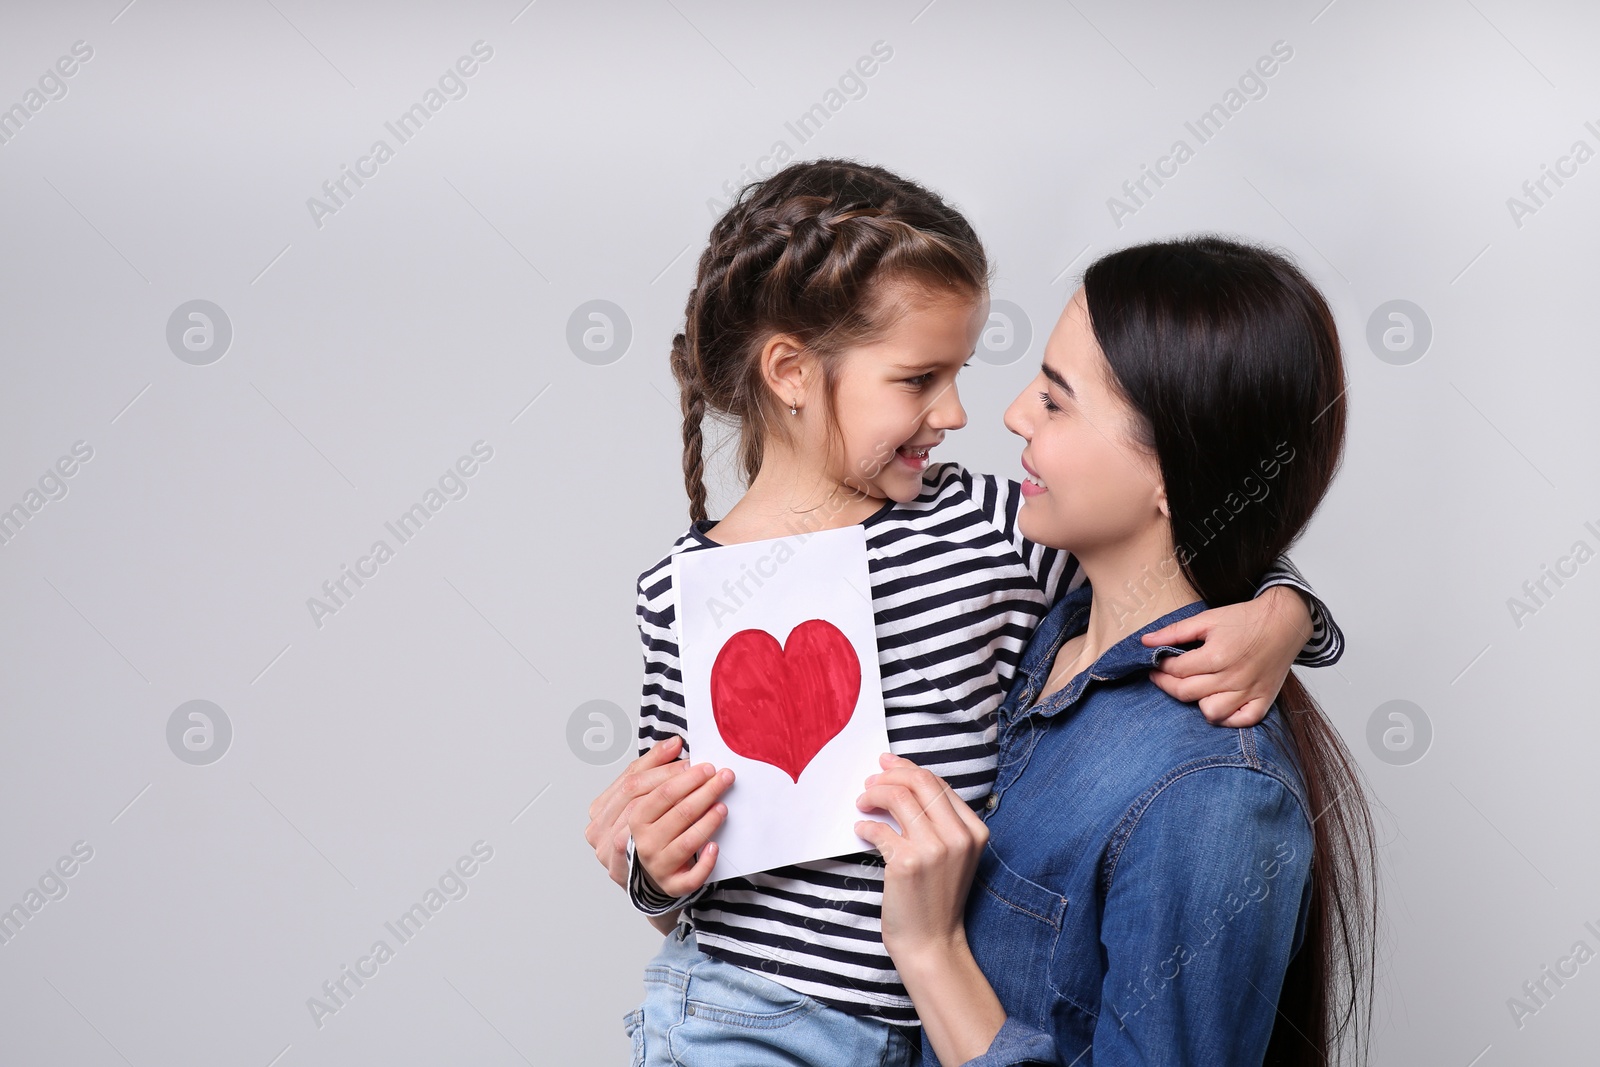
column 607, row 832
column 674, row 821
column 1249, row 647
column 928, row 866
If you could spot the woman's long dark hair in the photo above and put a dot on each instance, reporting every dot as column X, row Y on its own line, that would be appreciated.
column 1231, row 356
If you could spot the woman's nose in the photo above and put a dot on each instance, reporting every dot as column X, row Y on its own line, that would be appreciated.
column 1014, row 420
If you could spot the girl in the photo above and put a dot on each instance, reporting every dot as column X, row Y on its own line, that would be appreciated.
column 1151, row 890
column 833, row 308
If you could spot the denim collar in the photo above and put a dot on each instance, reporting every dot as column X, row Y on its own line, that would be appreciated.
column 1069, row 618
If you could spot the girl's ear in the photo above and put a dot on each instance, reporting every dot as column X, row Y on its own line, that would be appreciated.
column 1161, row 502
column 787, row 369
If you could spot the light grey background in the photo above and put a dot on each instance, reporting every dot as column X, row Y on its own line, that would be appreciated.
column 431, row 311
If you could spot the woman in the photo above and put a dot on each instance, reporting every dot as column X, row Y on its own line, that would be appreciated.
column 1153, row 890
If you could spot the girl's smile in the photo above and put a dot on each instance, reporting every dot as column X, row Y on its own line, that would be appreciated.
column 1032, row 485
column 915, row 456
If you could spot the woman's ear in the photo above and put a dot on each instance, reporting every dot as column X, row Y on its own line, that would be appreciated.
column 787, row 369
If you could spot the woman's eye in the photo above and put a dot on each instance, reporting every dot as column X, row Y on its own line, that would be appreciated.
column 1049, row 405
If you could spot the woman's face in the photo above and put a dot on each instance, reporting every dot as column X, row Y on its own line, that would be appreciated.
column 1090, row 484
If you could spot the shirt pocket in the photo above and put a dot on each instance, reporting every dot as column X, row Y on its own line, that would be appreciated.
column 633, row 1026
column 1013, row 924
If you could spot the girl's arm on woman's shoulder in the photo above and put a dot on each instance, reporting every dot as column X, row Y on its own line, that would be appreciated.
column 1248, row 648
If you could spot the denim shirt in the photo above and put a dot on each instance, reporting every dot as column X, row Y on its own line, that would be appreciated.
column 1147, row 878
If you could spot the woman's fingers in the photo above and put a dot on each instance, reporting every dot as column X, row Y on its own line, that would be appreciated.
column 917, row 798
column 975, row 824
column 880, row 836
column 900, row 802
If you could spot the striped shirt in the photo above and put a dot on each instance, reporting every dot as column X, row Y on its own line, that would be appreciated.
column 956, row 593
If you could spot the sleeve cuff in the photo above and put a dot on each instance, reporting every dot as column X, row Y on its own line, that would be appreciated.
column 1016, row 1045
column 1326, row 643
column 646, row 897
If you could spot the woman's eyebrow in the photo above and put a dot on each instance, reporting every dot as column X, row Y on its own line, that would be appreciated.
column 1060, row 382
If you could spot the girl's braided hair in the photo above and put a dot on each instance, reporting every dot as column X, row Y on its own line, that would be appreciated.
column 805, row 252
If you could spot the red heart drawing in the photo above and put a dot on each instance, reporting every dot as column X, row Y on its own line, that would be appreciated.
column 780, row 704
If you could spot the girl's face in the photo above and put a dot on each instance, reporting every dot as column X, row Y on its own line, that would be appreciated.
column 1090, row 484
column 895, row 398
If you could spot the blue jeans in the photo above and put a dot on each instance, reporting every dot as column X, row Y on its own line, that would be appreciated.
column 704, row 1012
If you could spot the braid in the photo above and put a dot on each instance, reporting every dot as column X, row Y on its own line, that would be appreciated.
column 693, row 399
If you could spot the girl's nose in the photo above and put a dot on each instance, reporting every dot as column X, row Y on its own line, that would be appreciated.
column 947, row 412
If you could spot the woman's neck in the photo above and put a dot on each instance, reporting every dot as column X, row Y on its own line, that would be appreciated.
column 1134, row 584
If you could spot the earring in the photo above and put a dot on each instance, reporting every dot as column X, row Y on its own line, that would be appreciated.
column 793, row 410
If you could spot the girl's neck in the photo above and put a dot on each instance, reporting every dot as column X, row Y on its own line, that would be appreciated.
column 789, row 497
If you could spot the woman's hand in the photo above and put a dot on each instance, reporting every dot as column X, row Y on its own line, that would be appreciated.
column 607, row 832
column 928, row 868
column 929, row 864
column 1249, row 647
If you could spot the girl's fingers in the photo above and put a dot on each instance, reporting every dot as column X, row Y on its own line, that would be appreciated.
column 633, row 785
column 688, row 881
column 658, row 801
column 661, row 752
column 1220, row 706
column 645, row 781
column 696, row 837
column 1164, row 682
column 661, row 839
column 1190, row 690
column 1248, row 715
column 1207, row 659
column 1194, row 628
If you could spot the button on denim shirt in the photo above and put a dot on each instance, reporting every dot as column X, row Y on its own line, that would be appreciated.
column 1147, row 877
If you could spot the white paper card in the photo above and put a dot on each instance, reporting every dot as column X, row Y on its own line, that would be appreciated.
column 779, row 654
